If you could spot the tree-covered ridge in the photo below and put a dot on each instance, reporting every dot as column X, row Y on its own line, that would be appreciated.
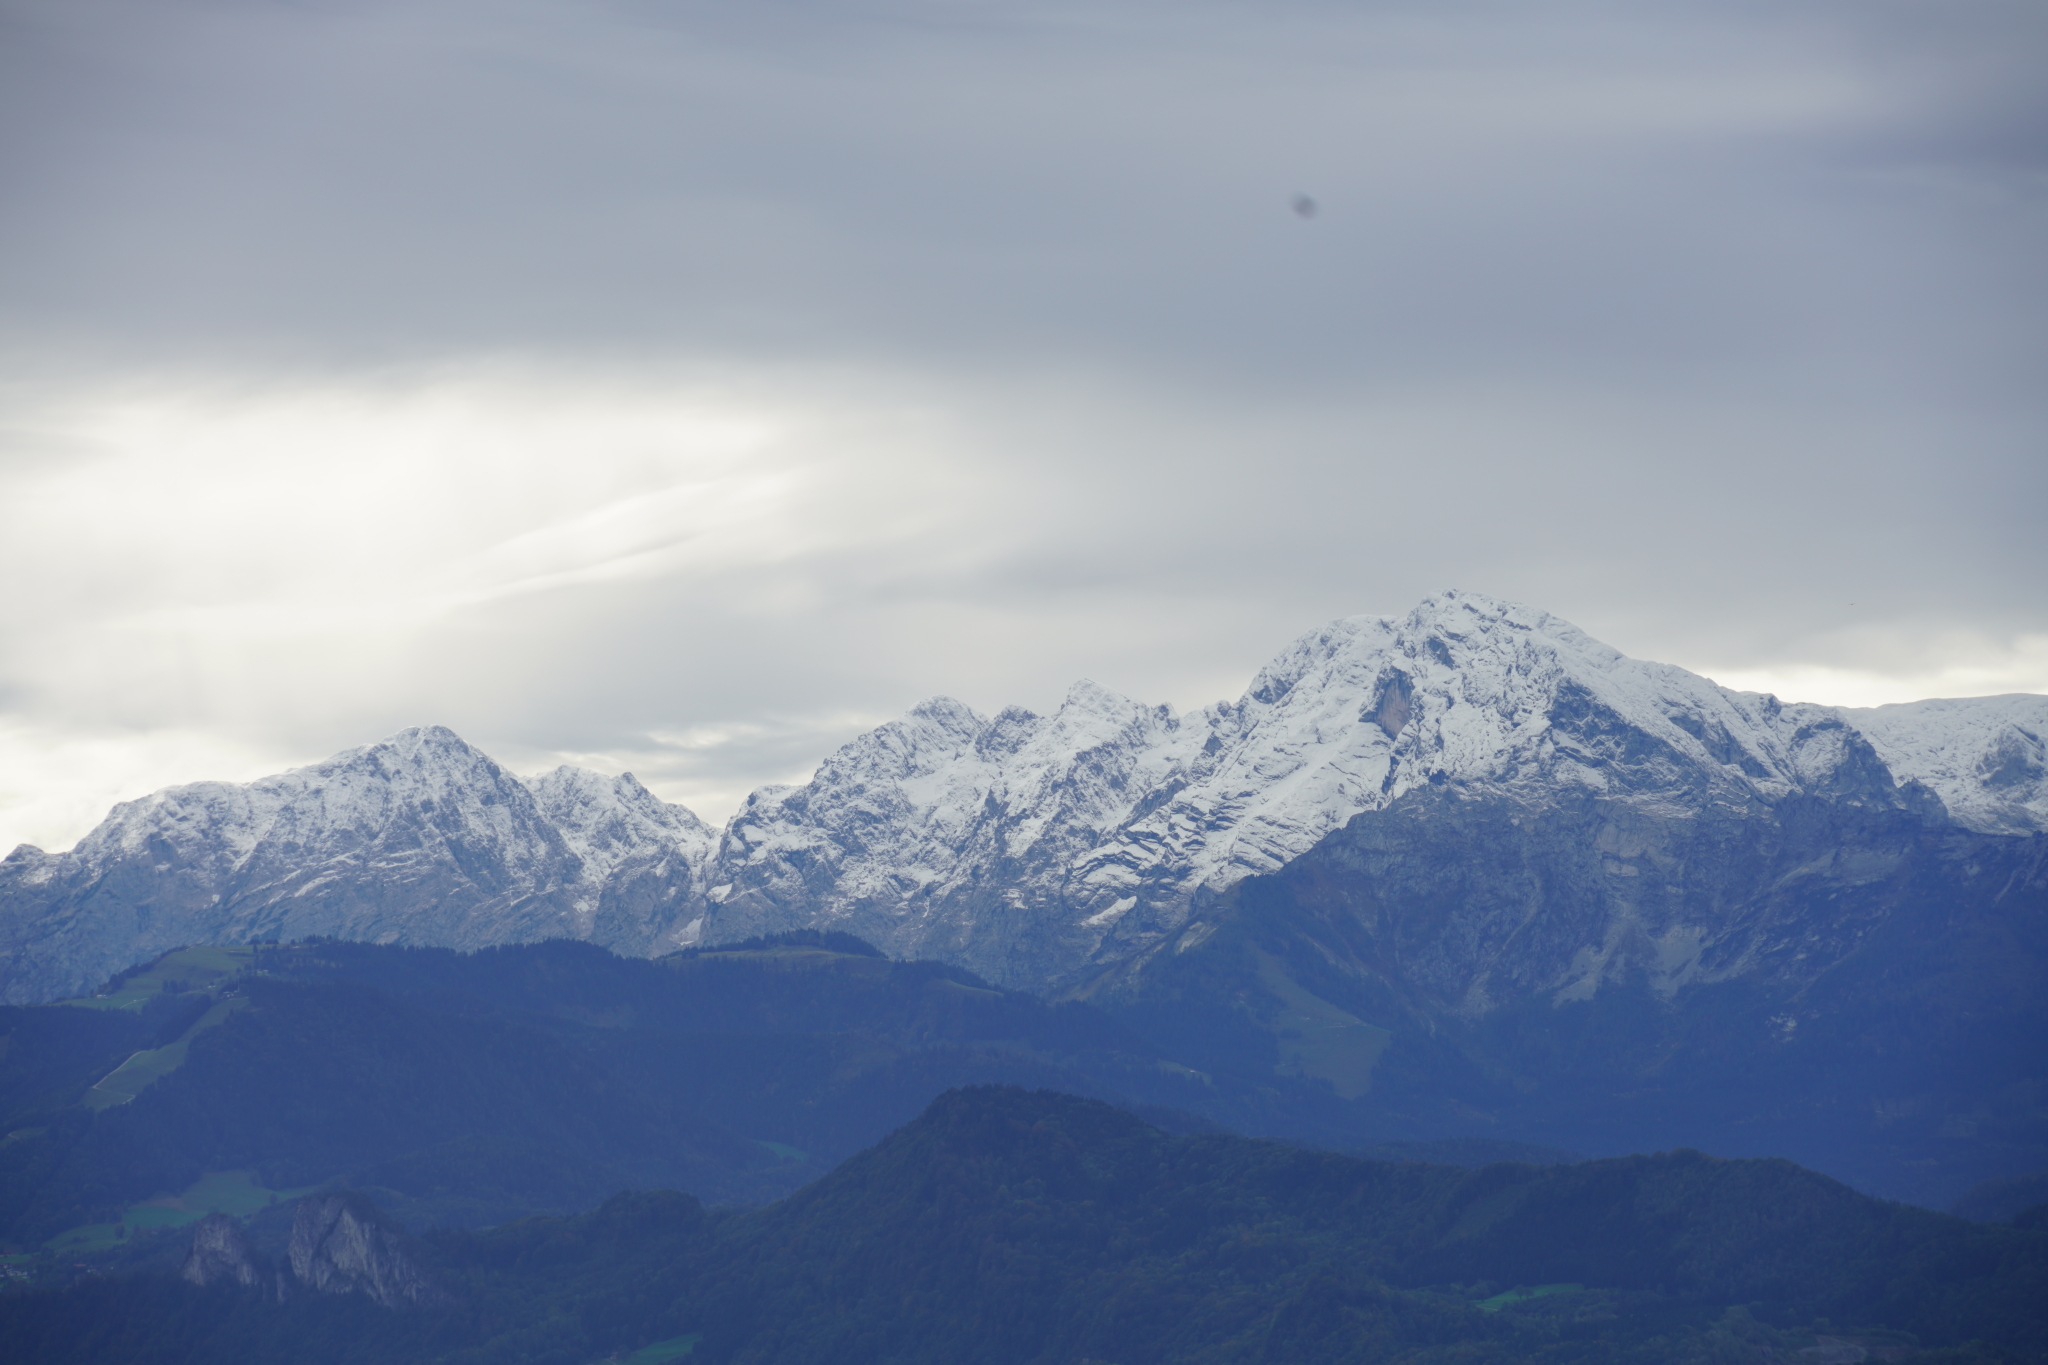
column 1011, row 1226
column 468, row 1089
column 1000, row 1194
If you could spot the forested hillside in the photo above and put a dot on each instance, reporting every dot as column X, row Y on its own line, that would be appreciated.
column 466, row 1089
column 1007, row 1226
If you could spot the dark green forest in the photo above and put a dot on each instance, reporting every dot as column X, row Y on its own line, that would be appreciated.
column 1012, row 1226
column 521, row 1119
column 467, row 1089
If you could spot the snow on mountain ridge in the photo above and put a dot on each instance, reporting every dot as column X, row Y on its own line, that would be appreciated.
column 418, row 838
column 1025, row 846
column 895, row 810
column 607, row 820
column 1356, row 714
column 1986, row 757
column 228, row 826
column 1041, row 838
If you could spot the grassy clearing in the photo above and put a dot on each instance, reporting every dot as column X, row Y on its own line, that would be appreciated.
column 1522, row 1293
column 194, row 969
column 675, row 1348
column 234, row 1192
column 91, row 1237
column 791, row 959
column 1319, row 1040
column 783, row 1150
column 144, row 1069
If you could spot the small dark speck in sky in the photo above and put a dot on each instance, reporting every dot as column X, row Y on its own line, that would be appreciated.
column 1305, row 207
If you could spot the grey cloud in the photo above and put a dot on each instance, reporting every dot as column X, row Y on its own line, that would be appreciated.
column 1695, row 323
column 1508, row 188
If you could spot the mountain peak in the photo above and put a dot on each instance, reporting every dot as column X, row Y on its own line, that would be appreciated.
column 1087, row 694
column 948, row 712
column 420, row 754
column 425, row 740
column 1453, row 603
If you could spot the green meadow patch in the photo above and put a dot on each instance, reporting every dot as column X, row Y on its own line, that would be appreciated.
column 187, row 969
column 675, row 1348
column 234, row 1192
column 1521, row 1294
column 91, row 1237
column 144, row 1069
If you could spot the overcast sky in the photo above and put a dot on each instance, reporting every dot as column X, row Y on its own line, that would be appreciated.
column 684, row 387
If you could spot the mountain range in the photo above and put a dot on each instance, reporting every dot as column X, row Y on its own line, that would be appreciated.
column 1461, row 871
column 1038, row 851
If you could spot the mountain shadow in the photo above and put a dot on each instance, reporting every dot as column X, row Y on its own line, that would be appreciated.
column 1869, row 995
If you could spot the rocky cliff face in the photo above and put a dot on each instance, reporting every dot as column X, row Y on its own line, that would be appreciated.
column 341, row 1244
column 221, row 1254
column 1045, row 852
column 1861, row 987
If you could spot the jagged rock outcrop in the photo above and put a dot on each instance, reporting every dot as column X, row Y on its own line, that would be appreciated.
column 640, row 856
column 341, row 1244
column 1044, row 852
column 221, row 1254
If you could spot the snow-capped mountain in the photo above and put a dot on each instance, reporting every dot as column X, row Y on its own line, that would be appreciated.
column 1037, row 850
column 417, row 839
